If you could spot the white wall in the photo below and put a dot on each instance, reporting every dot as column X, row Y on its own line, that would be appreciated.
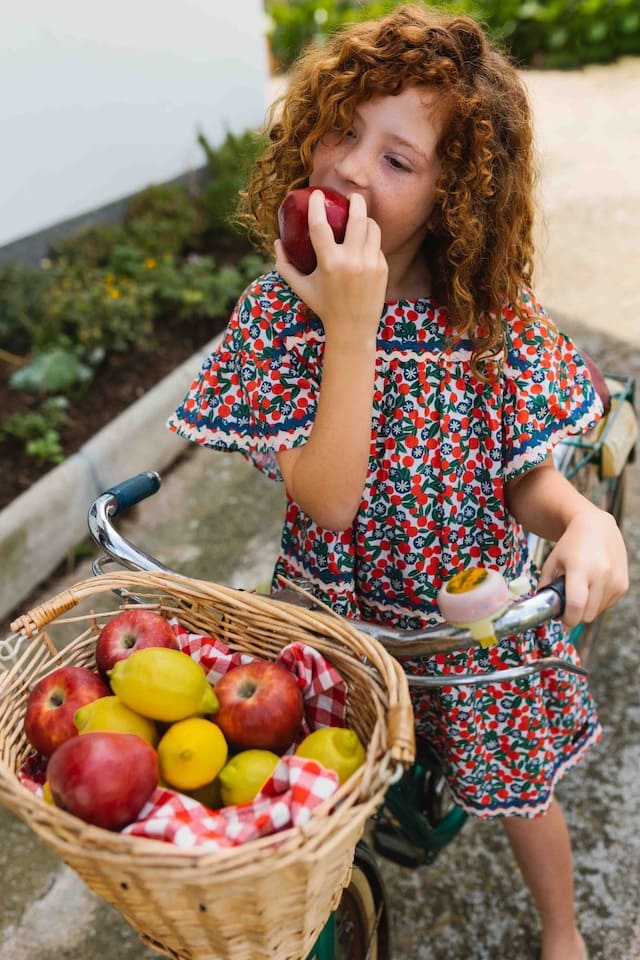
column 100, row 100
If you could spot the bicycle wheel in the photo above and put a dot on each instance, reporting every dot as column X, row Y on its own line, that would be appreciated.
column 361, row 918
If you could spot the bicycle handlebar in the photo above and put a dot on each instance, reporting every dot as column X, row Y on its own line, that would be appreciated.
column 522, row 615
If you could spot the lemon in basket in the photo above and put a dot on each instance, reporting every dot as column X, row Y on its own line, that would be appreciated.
column 163, row 684
column 336, row 748
column 191, row 753
column 245, row 775
column 110, row 713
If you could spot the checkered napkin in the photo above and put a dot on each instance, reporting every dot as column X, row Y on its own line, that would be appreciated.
column 287, row 799
column 296, row 786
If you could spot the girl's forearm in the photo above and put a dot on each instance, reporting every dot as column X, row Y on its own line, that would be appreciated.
column 544, row 501
column 327, row 475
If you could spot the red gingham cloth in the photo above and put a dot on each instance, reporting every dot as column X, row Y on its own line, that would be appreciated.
column 287, row 798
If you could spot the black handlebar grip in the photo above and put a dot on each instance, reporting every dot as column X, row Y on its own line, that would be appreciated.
column 132, row 491
column 558, row 587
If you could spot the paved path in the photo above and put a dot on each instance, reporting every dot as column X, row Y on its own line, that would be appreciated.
column 215, row 516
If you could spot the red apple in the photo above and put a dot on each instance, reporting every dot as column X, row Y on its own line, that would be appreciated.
column 103, row 777
column 51, row 705
column 294, row 226
column 128, row 631
column 260, row 706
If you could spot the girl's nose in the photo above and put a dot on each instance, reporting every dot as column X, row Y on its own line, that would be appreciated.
column 353, row 167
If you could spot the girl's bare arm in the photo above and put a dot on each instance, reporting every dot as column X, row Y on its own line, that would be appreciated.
column 326, row 476
column 589, row 549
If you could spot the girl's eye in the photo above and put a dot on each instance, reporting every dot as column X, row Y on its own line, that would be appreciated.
column 397, row 164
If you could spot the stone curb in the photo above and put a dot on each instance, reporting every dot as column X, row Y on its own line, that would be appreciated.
column 40, row 527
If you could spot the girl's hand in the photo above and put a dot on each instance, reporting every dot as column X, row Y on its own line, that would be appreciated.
column 347, row 288
column 592, row 556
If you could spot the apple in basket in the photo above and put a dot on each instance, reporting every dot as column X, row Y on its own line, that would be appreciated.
column 128, row 631
column 51, row 705
column 105, row 778
column 261, row 706
column 293, row 224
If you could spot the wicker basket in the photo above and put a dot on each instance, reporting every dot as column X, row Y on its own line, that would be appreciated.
column 270, row 897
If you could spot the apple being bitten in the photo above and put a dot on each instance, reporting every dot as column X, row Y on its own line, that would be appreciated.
column 51, row 705
column 105, row 778
column 261, row 707
column 293, row 224
column 131, row 630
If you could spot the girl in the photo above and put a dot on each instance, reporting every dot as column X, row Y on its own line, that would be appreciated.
column 409, row 392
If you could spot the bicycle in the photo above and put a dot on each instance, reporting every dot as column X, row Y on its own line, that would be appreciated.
column 419, row 818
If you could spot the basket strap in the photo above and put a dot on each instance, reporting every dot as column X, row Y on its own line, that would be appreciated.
column 401, row 733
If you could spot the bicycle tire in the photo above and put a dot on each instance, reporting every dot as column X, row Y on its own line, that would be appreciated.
column 609, row 495
column 361, row 917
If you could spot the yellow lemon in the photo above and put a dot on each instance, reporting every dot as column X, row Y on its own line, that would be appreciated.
column 47, row 796
column 110, row 713
column 336, row 748
column 191, row 753
column 245, row 775
column 163, row 684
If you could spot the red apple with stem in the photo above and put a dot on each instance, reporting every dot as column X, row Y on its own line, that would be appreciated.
column 130, row 630
column 261, row 707
column 293, row 223
column 51, row 705
column 103, row 777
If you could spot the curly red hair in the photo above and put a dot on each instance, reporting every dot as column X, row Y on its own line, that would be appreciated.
column 480, row 245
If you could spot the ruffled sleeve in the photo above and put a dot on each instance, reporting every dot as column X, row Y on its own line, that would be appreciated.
column 257, row 392
column 548, row 392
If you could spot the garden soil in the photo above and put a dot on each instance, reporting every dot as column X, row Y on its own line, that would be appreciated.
column 216, row 517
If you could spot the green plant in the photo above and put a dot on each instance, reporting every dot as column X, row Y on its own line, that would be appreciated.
column 94, row 310
column 56, row 369
column 228, row 168
column 39, row 429
column 22, row 293
column 162, row 219
column 88, row 247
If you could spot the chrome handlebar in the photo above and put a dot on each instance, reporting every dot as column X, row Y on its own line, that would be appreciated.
column 522, row 615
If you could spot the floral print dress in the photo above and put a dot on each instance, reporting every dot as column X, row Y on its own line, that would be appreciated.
column 443, row 444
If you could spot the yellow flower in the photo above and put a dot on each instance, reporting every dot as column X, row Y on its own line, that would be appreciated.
column 150, row 263
column 114, row 293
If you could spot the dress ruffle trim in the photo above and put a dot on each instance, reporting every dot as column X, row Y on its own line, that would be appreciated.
column 537, row 453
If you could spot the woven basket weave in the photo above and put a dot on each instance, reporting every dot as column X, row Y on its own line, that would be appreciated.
column 270, row 897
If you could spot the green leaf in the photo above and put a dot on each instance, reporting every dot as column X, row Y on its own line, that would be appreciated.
column 51, row 371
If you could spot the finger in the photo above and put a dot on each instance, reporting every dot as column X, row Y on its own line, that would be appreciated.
column 595, row 604
column 358, row 222
column 373, row 240
column 577, row 597
column 319, row 229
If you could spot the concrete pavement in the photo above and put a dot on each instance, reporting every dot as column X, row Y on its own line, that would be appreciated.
column 214, row 516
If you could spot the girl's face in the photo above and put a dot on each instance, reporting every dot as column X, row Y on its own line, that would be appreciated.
column 389, row 157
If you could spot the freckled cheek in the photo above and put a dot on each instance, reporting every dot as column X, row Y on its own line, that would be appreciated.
column 324, row 160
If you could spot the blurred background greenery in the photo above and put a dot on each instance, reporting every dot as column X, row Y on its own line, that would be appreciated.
column 539, row 33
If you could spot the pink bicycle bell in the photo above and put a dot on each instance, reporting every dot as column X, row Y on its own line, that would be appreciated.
column 473, row 599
